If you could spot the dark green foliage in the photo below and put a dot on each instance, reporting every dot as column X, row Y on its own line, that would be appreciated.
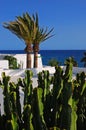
column 27, row 118
column 27, row 114
column 72, row 60
column 53, row 62
column 84, row 59
column 80, row 97
column 58, row 103
column 12, row 62
column 27, row 87
column 37, row 110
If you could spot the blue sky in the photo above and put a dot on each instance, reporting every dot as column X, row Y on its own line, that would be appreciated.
column 68, row 17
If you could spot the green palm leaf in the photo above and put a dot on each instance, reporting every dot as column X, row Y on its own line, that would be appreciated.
column 27, row 28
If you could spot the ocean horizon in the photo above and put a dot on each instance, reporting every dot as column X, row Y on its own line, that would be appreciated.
column 59, row 55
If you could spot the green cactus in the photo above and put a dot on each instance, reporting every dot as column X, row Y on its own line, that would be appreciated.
column 80, row 97
column 44, row 82
column 55, row 128
column 40, row 79
column 5, row 82
column 65, row 117
column 56, row 94
column 27, row 112
column 27, row 118
column 9, row 105
column 62, row 107
column 27, row 87
column 68, row 71
column 15, row 102
column 73, row 104
column 37, row 110
column 18, row 104
column 14, row 121
column 14, row 114
column 58, row 83
column 12, row 124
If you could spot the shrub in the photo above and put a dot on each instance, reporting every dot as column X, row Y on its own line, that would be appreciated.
column 53, row 62
column 12, row 62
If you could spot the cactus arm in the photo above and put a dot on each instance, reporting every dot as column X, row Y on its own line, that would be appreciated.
column 68, row 72
column 28, row 87
column 73, row 104
column 37, row 110
column 27, row 118
column 5, row 82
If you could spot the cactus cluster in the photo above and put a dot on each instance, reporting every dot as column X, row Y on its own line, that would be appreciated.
column 58, row 103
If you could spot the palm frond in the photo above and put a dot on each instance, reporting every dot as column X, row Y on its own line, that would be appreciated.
column 27, row 28
column 43, row 35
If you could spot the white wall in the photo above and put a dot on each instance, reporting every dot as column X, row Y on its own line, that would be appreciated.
column 21, row 59
column 4, row 64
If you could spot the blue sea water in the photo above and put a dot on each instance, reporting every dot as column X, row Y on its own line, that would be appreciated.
column 59, row 55
column 62, row 55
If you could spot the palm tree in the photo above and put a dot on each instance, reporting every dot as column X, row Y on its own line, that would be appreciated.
column 40, row 35
column 22, row 27
column 27, row 28
column 84, row 59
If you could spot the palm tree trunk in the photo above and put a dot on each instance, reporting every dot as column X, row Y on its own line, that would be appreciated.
column 28, row 50
column 36, row 50
column 28, row 60
column 36, row 59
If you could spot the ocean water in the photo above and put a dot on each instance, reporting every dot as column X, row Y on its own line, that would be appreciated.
column 62, row 55
column 59, row 55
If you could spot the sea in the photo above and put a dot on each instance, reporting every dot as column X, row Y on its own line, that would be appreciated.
column 59, row 55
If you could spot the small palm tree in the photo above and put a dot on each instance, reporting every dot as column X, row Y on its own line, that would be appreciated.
column 22, row 27
column 72, row 60
column 84, row 59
